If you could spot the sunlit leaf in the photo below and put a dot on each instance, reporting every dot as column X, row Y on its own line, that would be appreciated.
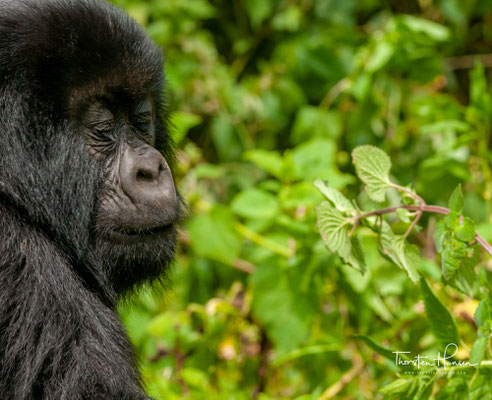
column 340, row 202
column 255, row 203
column 372, row 166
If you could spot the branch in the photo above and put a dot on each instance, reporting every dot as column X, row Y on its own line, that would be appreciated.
column 468, row 61
column 420, row 212
column 263, row 241
column 424, row 208
column 348, row 377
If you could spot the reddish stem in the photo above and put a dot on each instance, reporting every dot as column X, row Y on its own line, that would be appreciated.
column 433, row 209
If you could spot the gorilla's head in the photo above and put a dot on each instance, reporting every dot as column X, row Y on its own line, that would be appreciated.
column 90, row 163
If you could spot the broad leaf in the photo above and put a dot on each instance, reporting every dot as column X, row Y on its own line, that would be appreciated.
column 478, row 350
column 465, row 277
column 482, row 314
column 213, row 235
column 398, row 250
column 270, row 161
column 441, row 321
column 181, row 123
column 372, row 166
column 340, row 202
column 255, row 203
column 334, row 228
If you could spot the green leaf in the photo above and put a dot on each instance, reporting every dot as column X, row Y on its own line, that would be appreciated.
column 466, row 230
column 258, row 11
column 456, row 201
column 442, row 323
column 451, row 258
column 316, row 159
column 300, row 194
column 270, row 161
column 285, row 312
column 386, row 352
column 334, row 228
column 372, row 166
column 314, row 122
column 399, row 386
column 289, row 19
column 439, row 235
column 398, row 250
column 181, row 123
column 425, row 384
column 383, row 51
column 337, row 199
column 225, row 138
column 255, row 203
column 196, row 378
column 464, row 278
column 356, row 257
column 213, row 235
column 432, row 29
column 478, row 350
column 482, row 313
column 404, row 215
column 456, row 255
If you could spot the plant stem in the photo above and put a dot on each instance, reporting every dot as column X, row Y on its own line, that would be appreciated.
column 420, row 212
column 423, row 208
column 263, row 241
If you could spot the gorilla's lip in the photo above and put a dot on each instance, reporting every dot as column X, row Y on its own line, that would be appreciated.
column 152, row 230
column 131, row 235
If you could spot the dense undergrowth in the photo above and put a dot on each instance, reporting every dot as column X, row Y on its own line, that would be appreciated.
column 269, row 97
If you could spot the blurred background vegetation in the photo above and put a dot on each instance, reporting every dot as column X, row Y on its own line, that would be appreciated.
column 264, row 97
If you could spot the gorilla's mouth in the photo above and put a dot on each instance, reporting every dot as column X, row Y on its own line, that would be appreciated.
column 154, row 230
column 134, row 235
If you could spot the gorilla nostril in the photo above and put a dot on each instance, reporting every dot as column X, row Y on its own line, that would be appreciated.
column 144, row 176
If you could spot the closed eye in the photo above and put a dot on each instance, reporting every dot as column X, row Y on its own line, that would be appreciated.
column 102, row 126
column 143, row 122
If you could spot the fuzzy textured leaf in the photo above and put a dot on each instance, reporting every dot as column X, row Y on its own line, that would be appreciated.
column 334, row 229
column 403, row 254
column 334, row 196
column 372, row 166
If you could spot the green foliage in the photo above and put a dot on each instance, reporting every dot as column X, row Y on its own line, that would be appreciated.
column 372, row 167
column 440, row 319
column 290, row 282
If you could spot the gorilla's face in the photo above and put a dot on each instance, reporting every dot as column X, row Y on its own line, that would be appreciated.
column 137, row 205
column 138, row 202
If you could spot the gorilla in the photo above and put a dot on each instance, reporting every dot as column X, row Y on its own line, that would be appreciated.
column 88, row 205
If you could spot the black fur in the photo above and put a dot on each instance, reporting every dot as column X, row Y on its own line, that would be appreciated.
column 60, row 337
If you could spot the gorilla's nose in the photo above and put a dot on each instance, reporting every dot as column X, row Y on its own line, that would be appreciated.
column 147, row 180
